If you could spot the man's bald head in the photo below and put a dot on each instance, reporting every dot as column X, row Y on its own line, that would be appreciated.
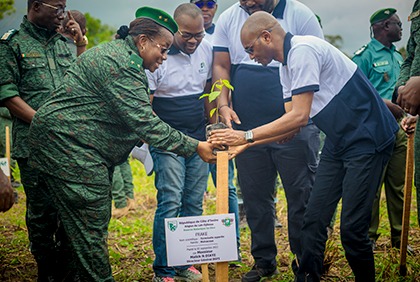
column 256, row 23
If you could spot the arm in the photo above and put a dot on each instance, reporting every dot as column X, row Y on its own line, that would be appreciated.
column 277, row 130
column 221, row 69
column 74, row 29
column 19, row 108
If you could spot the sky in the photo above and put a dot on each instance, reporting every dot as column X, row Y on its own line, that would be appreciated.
column 349, row 19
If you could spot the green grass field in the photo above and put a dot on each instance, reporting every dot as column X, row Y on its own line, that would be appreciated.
column 131, row 253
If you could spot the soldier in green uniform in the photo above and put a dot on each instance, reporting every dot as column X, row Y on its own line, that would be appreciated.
column 92, row 122
column 408, row 93
column 33, row 62
column 380, row 62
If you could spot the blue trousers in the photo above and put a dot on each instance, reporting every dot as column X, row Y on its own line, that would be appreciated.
column 355, row 180
column 180, row 183
column 257, row 167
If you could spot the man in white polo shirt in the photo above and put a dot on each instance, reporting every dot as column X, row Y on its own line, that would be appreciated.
column 321, row 83
column 256, row 100
column 176, row 87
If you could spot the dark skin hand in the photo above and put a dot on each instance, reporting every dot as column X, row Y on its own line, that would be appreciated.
column 409, row 96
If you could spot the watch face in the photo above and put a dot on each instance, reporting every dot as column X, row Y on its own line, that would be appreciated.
column 249, row 136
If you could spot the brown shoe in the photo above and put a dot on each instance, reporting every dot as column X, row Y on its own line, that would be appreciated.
column 131, row 203
column 117, row 213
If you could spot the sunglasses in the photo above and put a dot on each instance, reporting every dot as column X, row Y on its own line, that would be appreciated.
column 59, row 10
column 209, row 4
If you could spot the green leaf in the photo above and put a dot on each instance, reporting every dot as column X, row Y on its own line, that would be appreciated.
column 204, row 95
column 227, row 84
column 213, row 111
column 213, row 95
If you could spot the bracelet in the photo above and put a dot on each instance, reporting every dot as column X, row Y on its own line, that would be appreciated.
column 225, row 105
column 82, row 42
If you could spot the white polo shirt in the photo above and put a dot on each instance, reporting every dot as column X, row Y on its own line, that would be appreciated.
column 177, row 85
column 345, row 106
column 257, row 98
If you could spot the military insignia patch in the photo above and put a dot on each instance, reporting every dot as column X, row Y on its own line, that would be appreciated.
column 9, row 34
column 361, row 50
column 136, row 62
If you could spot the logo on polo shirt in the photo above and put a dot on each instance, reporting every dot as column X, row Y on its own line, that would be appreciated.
column 203, row 68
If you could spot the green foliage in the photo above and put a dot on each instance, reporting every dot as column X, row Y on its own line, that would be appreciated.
column 6, row 8
column 97, row 32
column 335, row 40
column 216, row 90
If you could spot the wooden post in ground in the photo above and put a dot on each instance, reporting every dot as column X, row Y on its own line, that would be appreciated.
column 408, row 187
column 222, row 205
column 8, row 151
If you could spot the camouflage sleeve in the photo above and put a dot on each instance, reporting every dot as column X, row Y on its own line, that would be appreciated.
column 411, row 65
column 129, row 96
column 9, row 73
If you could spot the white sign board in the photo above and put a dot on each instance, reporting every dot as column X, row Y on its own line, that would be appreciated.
column 201, row 239
column 4, row 165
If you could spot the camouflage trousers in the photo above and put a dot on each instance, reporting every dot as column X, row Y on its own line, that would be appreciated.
column 122, row 185
column 84, row 211
column 47, row 241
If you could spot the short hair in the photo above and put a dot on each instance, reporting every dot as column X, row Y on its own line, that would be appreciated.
column 187, row 9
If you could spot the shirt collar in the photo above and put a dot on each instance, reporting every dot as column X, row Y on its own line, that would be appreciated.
column 173, row 50
column 210, row 30
column 39, row 33
column 278, row 12
column 287, row 45
column 379, row 46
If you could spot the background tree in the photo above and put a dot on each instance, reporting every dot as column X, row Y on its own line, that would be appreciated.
column 98, row 32
column 6, row 7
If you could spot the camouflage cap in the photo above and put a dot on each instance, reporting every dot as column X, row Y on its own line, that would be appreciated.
column 382, row 15
column 158, row 16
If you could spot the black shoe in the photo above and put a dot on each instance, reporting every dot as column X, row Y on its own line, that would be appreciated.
column 256, row 273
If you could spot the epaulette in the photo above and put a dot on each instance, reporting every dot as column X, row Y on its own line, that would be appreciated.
column 413, row 15
column 136, row 61
column 8, row 35
column 361, row 50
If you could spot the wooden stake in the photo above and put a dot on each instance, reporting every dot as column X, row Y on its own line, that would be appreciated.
column 8, row 150
column 222, row 204
column 409, row 169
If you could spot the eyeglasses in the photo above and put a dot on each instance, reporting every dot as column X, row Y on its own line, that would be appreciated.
column 250, row 49
column 163, row 50
column 209, row 4
column 397, row 23
column 59, row 10
column 187, row 36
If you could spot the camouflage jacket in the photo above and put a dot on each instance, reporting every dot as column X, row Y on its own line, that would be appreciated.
column 411, row 65
column 33, row 64
column 92, row 122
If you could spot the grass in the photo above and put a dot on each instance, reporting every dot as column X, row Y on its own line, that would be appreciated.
column 131, row 252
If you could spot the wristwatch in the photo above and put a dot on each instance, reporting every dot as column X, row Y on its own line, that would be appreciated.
column 249, row 136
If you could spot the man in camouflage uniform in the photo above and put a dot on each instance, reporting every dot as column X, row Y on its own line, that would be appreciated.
column 90, row 125
column 33, row 63
column 380, row 61
column 409, row 96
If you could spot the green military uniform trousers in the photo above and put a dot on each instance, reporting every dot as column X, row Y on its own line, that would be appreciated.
column 393, row 181
column 122, row 185
column 417, row 167
column 84, row 211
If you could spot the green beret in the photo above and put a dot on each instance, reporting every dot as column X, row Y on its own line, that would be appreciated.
column 382, row 15
column 158, row 16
